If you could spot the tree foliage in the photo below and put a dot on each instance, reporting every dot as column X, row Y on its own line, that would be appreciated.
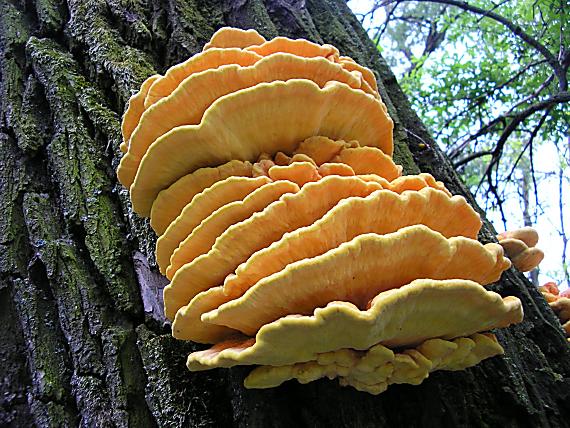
column 491, row 81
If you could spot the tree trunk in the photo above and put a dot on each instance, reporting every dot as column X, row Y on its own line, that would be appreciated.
column 84, row 341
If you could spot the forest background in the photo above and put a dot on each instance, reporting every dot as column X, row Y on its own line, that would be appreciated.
column 491, row 81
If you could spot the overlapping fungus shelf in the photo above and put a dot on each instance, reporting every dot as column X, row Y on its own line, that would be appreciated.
column 291, row 238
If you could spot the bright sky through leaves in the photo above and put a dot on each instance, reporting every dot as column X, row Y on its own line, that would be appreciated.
column 546, row 157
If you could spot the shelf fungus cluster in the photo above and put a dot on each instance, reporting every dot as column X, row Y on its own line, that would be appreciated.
column 290, row 237
column 520, row 247
column 559, row 302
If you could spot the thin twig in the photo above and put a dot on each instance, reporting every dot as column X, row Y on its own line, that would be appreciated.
column 471, row 157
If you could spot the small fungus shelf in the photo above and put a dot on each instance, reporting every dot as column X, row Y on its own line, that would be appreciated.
column 519, row 246
column 559, row 303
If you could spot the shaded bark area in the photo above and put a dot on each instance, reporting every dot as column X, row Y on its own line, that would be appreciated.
column 84, row 342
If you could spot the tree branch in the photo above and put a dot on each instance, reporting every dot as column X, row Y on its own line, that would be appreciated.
column 498, row 151
column 535, row 94
column 559, row 98
column 381, row 29
column 515, row 29
column 529, row 111
column 454, row 152
column 471, row 157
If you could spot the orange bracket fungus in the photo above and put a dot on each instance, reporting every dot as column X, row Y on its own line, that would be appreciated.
column 519, row 246
column 291, row 238
column 559, row 303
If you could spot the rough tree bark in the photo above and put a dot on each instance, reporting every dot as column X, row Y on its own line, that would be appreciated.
column 83, row 339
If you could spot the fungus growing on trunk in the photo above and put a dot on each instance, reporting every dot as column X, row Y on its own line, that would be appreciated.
column 218, row 195
column 171, row 201
column 519, row 246
column 290, row 236
column 400, row 317
column 134, row 112
column 228, row 37
column 559, row 303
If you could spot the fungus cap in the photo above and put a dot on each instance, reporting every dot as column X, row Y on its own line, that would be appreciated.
column 404, row 316
column 356, row 271
column 369, row 160
column 188, row 102
column 528, row 259
column 261, row 168
column 188, row 325
column 526, row 234
column 272, row 117
column 351, row 65
column 210, row 59
column 335, row 169
column 203, row 205
column 549, row 287
column 171, row 201
column 513, row 247
column 406, row 182
column 524, row 258
column 321, row 149
column 297, row 172
column 561, row 307
column 299, row 47
column 230, row 37
column 135, row 109
column 431, row 207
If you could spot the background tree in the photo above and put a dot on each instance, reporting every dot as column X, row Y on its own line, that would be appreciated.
column 83, row 339
column 491, row 80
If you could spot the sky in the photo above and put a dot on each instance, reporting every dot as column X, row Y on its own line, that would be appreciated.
column 546, row 164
